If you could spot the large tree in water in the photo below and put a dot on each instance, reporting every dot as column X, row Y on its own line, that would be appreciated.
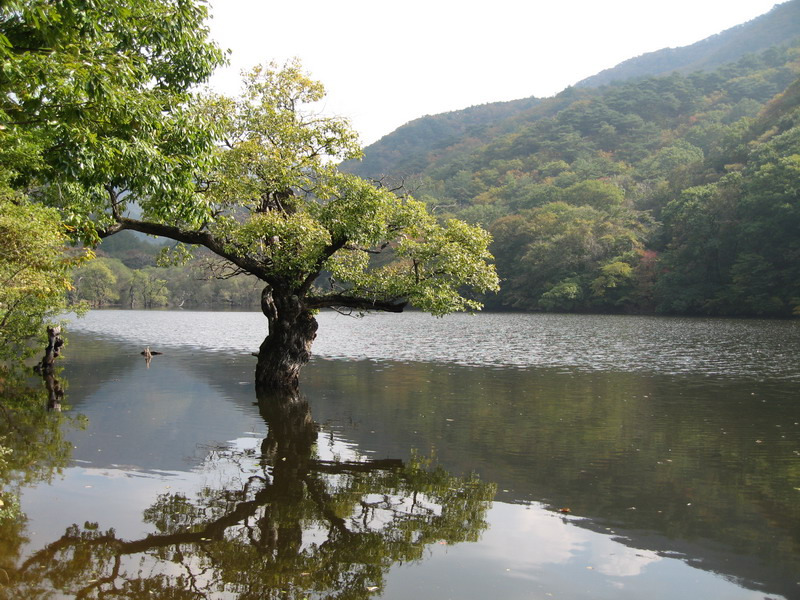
column 97, row 118
column 274, row 205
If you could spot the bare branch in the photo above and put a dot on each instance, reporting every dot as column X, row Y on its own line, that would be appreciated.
column 221, row 269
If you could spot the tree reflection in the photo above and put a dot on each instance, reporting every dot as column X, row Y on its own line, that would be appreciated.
column 32, row 450
column 32, row 445
column 296, row 526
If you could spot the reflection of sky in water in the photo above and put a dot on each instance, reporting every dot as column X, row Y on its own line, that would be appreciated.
column 530, row 552
column 591, row 342
column 154, row 431
column 114, row 496
column 527, row 552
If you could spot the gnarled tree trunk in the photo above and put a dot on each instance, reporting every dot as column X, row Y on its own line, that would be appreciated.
column 287, row 347
column 53, row 350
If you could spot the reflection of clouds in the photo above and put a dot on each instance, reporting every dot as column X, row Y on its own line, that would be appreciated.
column 615, row 559
column 531, row 552
column 530, row 538
column 526, row 540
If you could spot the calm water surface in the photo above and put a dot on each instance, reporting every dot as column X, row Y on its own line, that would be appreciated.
column 503, row 456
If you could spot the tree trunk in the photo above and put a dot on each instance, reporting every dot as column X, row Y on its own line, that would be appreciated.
column 53, row 350
column 287, row 347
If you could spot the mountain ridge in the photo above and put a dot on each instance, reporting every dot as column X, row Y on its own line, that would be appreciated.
column 407, row 150
column 778, row 26
column 669, row 193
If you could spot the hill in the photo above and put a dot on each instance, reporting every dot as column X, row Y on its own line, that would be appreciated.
column 407, row 150
column 411, row 148
column 669, row 193
column 779, row 26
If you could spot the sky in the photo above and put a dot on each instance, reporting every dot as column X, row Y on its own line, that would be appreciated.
column 385, row 63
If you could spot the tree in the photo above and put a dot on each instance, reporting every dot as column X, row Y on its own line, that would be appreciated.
column 148, row 287
column 34, row 272
column 90, row 92
column 96, row 283
column 601, row 195
column 274, row 206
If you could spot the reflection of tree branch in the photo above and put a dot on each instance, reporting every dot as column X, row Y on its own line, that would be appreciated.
column 323, row 501
column 97, row 583
column 47, row 554
column 215, row 530
column 250, row 540
column 366, row 466
column 9, row 420
column 212, row 531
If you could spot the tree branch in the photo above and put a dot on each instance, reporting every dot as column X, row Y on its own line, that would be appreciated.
column 354, row 302
column 332, row 249
column 194, row 238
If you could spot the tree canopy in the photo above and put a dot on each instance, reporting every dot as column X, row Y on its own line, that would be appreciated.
column 273, row 204
column 92, row 94
column 34, row 273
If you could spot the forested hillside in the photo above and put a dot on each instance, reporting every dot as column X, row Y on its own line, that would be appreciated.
column 408, row 148
column 675, row 194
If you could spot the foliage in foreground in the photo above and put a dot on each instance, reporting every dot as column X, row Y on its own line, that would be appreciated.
column 35, row 273
column 88, row 90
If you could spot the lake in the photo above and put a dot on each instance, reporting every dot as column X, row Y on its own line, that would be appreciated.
column 510, row 456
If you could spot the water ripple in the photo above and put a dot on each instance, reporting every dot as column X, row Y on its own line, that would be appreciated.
column 728, row 347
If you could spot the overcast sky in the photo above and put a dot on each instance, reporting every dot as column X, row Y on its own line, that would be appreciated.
column 385, row 63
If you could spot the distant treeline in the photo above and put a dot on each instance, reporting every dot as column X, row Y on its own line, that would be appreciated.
column 126, row 274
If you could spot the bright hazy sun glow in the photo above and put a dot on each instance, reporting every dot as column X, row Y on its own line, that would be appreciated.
column 386, row 63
